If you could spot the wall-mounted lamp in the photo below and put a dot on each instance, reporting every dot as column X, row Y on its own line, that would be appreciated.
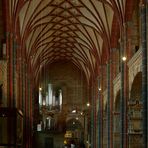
column 88, row 104
column 44, row 102
column 74, row 111
column 124, row 58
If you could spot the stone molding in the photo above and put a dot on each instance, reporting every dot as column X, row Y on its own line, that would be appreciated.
column 135, row 66
column 116, row 85
column 104, row 99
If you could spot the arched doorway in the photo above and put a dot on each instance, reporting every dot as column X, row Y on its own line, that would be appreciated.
column 74, row 131
column 135, row 113
column 117, row 121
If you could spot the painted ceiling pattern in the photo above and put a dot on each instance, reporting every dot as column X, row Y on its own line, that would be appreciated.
column 74, row 30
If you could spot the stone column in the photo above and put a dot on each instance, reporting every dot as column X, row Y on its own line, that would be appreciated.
column 92, row 115
column 11, row 49
column 124, row 84
column 122, row 97
column 144, row 69
column 108, row 105
column 14, row 75
column 100, row 117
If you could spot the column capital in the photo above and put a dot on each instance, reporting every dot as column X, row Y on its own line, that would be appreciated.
column 142, row 3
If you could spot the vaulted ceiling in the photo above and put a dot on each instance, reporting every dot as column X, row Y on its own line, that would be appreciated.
column 79, row 31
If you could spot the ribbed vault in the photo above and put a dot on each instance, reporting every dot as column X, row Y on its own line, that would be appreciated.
column 75, row 30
